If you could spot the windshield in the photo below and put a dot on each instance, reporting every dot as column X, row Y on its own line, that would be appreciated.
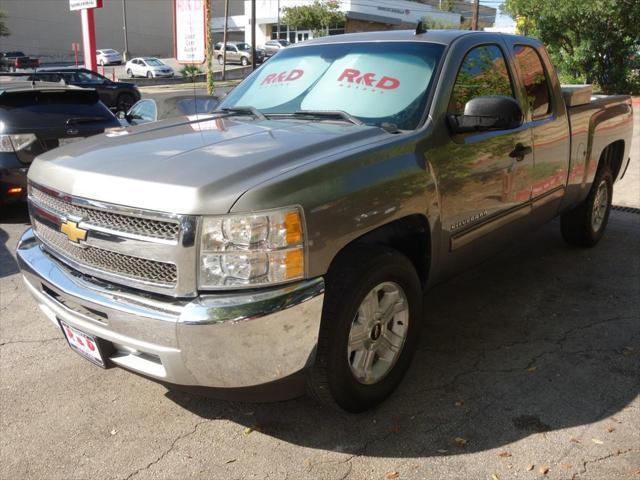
column 243, row 46
column 153, row 62
column 374, row 82
column 284, row 43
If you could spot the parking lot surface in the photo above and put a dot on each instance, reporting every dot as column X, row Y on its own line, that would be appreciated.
column 528, row 367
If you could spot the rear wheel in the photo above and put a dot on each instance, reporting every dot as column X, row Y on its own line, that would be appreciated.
column 584, row 225
column 370, row 327
column 220, row 59
column 129, row 73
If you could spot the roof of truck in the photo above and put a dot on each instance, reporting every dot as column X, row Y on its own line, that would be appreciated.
column 444, row 37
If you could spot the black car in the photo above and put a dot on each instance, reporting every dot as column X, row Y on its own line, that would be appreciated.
column 119, row 96
column 38, row 116
column 152, row 110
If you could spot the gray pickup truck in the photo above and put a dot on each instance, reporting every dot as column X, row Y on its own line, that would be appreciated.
column 284, row 242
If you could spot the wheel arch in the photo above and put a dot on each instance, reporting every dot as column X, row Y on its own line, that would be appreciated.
column 410, row 235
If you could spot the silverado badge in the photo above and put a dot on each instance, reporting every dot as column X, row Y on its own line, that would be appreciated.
column 73, row 232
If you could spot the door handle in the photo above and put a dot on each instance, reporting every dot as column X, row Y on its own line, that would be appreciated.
column 520, row 151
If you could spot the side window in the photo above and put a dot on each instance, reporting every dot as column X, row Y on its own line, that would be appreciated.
column 535, row 80
column 145, row 110
column 483, row 72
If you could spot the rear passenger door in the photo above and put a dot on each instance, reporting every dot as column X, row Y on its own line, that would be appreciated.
column 547, row 118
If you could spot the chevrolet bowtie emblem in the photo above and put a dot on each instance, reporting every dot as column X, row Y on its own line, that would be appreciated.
column 73, row 232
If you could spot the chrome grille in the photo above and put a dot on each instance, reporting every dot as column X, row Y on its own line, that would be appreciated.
column 146, row 227
column 105, row 260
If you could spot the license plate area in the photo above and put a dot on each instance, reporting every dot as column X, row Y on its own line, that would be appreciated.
column 91, row 348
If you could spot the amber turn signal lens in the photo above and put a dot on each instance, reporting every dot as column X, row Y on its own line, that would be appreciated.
column 294, row 228
column 14, row 190
column 295, row 263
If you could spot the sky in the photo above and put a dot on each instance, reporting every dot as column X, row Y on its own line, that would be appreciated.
column 501, row 20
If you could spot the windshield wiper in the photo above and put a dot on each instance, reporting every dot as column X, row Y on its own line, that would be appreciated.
column 246, row 110
column 330, row 114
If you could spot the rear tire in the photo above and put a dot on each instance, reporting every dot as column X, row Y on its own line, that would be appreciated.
column 129, row 73
column 584, row 226
column 220, row 60
column 366, row 282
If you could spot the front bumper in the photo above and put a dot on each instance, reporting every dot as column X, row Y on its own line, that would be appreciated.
column 227, row 341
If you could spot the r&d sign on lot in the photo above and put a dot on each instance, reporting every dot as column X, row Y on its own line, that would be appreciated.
column 189, row 30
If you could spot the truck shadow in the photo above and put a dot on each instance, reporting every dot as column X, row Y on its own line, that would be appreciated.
column 16, row 214
column 540, row 338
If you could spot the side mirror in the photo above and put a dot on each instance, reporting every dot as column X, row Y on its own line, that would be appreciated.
column 487, row 113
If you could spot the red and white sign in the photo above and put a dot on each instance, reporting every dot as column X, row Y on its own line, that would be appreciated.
column 190, row 30
column 82, row 343
column 82, row 4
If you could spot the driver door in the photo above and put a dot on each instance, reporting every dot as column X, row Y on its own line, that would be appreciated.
column 484, row 181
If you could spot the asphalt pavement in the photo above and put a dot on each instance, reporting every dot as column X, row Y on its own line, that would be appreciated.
column 528, row 368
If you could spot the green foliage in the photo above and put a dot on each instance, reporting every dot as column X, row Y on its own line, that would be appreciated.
column 434, row 24
column 446, row 5
column 209, row 50
column 4, row 31
column 190, row 71
column 592, row 41
column 318, row 16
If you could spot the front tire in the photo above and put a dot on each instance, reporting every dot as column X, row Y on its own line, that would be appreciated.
column 149, row 75
column 584, row 226
column 370, row 328
column 244, row 61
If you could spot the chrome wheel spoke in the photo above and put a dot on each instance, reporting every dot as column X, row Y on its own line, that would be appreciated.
column 363, row 363
column 389, row 344
column 358, row 337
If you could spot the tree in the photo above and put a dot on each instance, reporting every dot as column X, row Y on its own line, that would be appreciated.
column 318, row 16
column 209, row 49
column 590, row 41
column 431, row 23
column 4, row 31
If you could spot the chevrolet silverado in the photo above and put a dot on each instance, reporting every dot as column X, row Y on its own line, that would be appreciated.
column 283, row 243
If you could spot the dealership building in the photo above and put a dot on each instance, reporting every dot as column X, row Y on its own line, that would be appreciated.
column 47, row 28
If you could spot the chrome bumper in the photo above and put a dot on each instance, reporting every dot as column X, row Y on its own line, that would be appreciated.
column 230, row 340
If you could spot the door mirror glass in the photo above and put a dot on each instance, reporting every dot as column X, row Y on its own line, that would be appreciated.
column 492, row 112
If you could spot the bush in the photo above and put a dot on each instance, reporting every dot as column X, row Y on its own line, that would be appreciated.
column 190, row 71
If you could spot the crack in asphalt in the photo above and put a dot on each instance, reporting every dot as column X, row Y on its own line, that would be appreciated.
column 559, row 341
column 167, row 451
column 617, row 453
column 44, row 340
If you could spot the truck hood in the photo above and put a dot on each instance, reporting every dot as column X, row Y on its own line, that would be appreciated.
column 192, row 167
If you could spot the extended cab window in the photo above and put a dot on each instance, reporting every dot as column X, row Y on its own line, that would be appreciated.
column 375, row 82
column 483, row 72
column 534, row 79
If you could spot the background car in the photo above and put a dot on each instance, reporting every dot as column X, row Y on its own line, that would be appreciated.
column 272, row 47
column 151, row 110
column 12, row 61
column 149, row 67
column 118, row 96
column 40, row 116
column 108, row 56
column 238, row 52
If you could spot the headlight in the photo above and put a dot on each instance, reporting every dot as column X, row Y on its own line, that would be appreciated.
column 14, row 143
column 260, row 249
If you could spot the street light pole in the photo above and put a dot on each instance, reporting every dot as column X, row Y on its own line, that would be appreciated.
column 476, row 14
column 224, row 39
column 278, row 20
column 125, row 54
column 253, row 34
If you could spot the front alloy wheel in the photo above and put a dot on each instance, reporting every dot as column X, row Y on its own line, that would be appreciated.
column 369, row 330
column 378, row 333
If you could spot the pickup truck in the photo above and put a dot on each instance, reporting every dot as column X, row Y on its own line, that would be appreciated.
column 12, row 61
column 283, row 243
